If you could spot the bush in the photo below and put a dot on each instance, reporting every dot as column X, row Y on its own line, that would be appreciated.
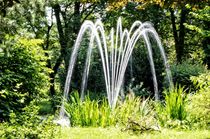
column 132, row 108
column 139, row 90
column 199, row 107
column 181, row 73
column 28, row 125
column 146, row 124
column 23, row 74
column 187, row 111
column 141, row 70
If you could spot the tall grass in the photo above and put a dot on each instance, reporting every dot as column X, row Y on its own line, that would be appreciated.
column 98, row 113
column 88, row 112
column 175, row 103
column 172, row 112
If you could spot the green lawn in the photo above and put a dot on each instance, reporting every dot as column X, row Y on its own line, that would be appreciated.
column 116, row 133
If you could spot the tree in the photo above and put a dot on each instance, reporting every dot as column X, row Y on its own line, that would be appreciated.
column 58, row 32
column 69, row 17
column 32, row 18
column 6, row 4
column 178, row 12
column 23, row 74
column 202, row 16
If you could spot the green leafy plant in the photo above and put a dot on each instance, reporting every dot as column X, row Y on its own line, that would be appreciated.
column 28, row 124
column 199, row 107
column 175, row 102
column 139, row 90
column 139, row 115
column 182, row 72
column 172, row 113
column 132, row 108
column 23, row 76
column 202, row 15
column 88, row 112
column 146, row 124
column 98, row 112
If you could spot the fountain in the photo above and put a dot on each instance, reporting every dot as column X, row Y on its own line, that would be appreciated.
column 114, row 57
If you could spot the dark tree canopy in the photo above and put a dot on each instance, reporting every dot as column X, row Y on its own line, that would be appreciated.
column 4, row 4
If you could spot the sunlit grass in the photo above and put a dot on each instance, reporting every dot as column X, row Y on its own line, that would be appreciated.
column 116, row 133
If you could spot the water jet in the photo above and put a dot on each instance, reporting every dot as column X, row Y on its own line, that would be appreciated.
column 114, row 57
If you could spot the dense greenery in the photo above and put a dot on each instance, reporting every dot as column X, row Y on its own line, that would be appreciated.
column 183, row 72
column 36, row 40
column 98, row 113
column 29, row 124
column 179, row 110
column 23, row 76
column 199, row 108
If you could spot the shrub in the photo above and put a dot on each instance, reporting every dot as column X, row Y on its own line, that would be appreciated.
column 199, row 107
column 181, row 73
column 139, row 90
column 132, row 108
column 28, row 124
column 23, row 74
column 202, row 81
column 144, row 125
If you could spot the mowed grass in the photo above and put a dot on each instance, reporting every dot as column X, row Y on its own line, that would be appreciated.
column 116, row 133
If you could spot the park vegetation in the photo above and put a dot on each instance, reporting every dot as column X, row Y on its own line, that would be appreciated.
column 36, row 40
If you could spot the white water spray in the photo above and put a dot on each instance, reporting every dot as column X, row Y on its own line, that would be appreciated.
column 114, row 58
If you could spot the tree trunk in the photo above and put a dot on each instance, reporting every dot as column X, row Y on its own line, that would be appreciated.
column 72, row 31
column 63, row 44
column 67, row 36
column 175, row 32
column 62, row 38
column 181, row 44
column 179, row 34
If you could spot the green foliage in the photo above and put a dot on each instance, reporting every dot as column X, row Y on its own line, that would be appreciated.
column 175, row 103
column 89, row 112
column 45, row 106
column 187, row 111
column 199, row 107
column 4, row 4
column 139, row 90
column 202, row 81
column 98, row 113
column 203, row 15
column 139, row 116
column 23, row 75
column 201, row 26
column 132, row 108
column 181, row 73
column 173, row 112
column 28, row 125
column 144, row 125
